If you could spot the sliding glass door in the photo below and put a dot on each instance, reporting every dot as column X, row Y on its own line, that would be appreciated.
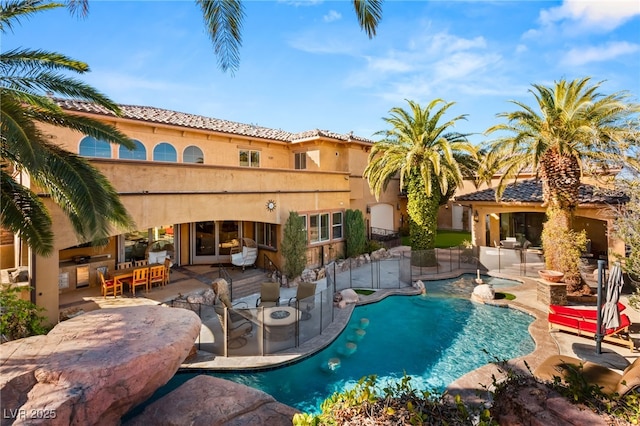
column 214, row 241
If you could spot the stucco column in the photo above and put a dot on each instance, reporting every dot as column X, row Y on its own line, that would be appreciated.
column 45, row 279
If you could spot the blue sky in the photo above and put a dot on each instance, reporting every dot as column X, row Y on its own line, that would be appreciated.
column 307, row 65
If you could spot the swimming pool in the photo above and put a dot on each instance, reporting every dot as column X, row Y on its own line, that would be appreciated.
column 435, row 339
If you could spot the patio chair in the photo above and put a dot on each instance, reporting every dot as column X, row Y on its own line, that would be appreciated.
column 609, row 381
column 140, row 278
column 110, row 286
column 247, row 254
column 125, row 265
column 156, row 275
column 304, row 299
column 269, row 295
column 143, row 262
column 236, row 327
column 167, row 271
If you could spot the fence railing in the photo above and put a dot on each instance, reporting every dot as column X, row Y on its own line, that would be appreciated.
column 258, row 331
column 424, row 264
column 386, row 237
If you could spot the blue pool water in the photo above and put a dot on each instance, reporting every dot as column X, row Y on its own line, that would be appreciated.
column 435, row 339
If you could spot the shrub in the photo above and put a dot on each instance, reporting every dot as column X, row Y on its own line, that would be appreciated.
column 393, row 403
column 294, row 246
column 19, row 318
column 355, row 233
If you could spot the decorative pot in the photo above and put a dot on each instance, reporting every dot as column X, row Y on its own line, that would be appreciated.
column 551, row 276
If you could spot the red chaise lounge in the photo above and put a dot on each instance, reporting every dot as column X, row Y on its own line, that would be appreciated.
column 583, row 323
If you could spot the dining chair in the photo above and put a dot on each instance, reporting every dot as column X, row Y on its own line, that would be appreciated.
column 143, row 262
column 167, row 271
column 156, row 275
column 140, row 277
column 110, row 286
column 125, row 265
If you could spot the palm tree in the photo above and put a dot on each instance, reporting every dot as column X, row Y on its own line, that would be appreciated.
column 82, row 192
column 430, row 162
column 223, row 21
column 573, row 132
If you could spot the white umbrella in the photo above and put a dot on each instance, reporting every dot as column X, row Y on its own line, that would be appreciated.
column 610, row 314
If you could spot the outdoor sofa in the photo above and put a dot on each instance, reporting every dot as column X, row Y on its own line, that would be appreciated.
column 583, row 322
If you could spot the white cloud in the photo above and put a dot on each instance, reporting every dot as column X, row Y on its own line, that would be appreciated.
column 459, row 66
column 297, row 3
column 609, row 51
column 592, row 14
column 332, row 16
column 521, row 48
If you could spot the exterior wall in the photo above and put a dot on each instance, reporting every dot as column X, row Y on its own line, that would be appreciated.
column 159, row 193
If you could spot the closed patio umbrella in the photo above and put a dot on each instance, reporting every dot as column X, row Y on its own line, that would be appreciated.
column 610, row 314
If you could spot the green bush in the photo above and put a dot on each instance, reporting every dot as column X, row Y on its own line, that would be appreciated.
column 19, row 318
column 355, row 233
column 394, row 403
column 294, row 246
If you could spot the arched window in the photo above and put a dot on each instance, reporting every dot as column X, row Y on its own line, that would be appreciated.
column 165, row 152
column 139, row 153
column 92, row 147
column 193, row 154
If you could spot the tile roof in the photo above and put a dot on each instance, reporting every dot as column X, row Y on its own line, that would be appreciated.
column 192, row 121
column 530, row 191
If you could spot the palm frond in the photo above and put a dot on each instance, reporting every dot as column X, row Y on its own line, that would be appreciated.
column 24, row 214
column 369, row 13
column 223, row 19
column 11, row 11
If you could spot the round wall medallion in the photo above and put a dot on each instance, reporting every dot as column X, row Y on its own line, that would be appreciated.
column 271, row 205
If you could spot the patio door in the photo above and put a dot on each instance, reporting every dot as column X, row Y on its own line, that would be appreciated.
column 213, row 241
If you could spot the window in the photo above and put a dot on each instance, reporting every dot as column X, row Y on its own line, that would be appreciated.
column 304, row 226
column 165, row 152
column 138, row 153
column 193, row 154
column 91, row 147
column 249, row 158
column 300, row 160
column 336, row 224
column 266, row 234
column 319, row 227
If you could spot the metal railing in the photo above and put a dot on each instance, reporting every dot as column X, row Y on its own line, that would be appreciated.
column 386, row 237
column 271, row 268
column 223, row 273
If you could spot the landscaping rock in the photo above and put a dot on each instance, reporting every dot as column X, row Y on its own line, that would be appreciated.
column 483, row 293
column 206, row 400
column 94, row 368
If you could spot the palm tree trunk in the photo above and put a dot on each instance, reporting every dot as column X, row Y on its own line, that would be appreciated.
column 562, row 246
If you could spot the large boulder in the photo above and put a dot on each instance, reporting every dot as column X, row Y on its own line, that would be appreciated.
column 94, row 368
column 206, row 400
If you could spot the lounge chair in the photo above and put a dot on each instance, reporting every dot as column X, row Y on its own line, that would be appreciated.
column 608, row 380
column 304, row 300
column 269, row 295
column 583, row 322
column 247, row 255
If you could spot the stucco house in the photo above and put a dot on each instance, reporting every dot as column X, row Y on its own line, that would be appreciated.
column 195, row 186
